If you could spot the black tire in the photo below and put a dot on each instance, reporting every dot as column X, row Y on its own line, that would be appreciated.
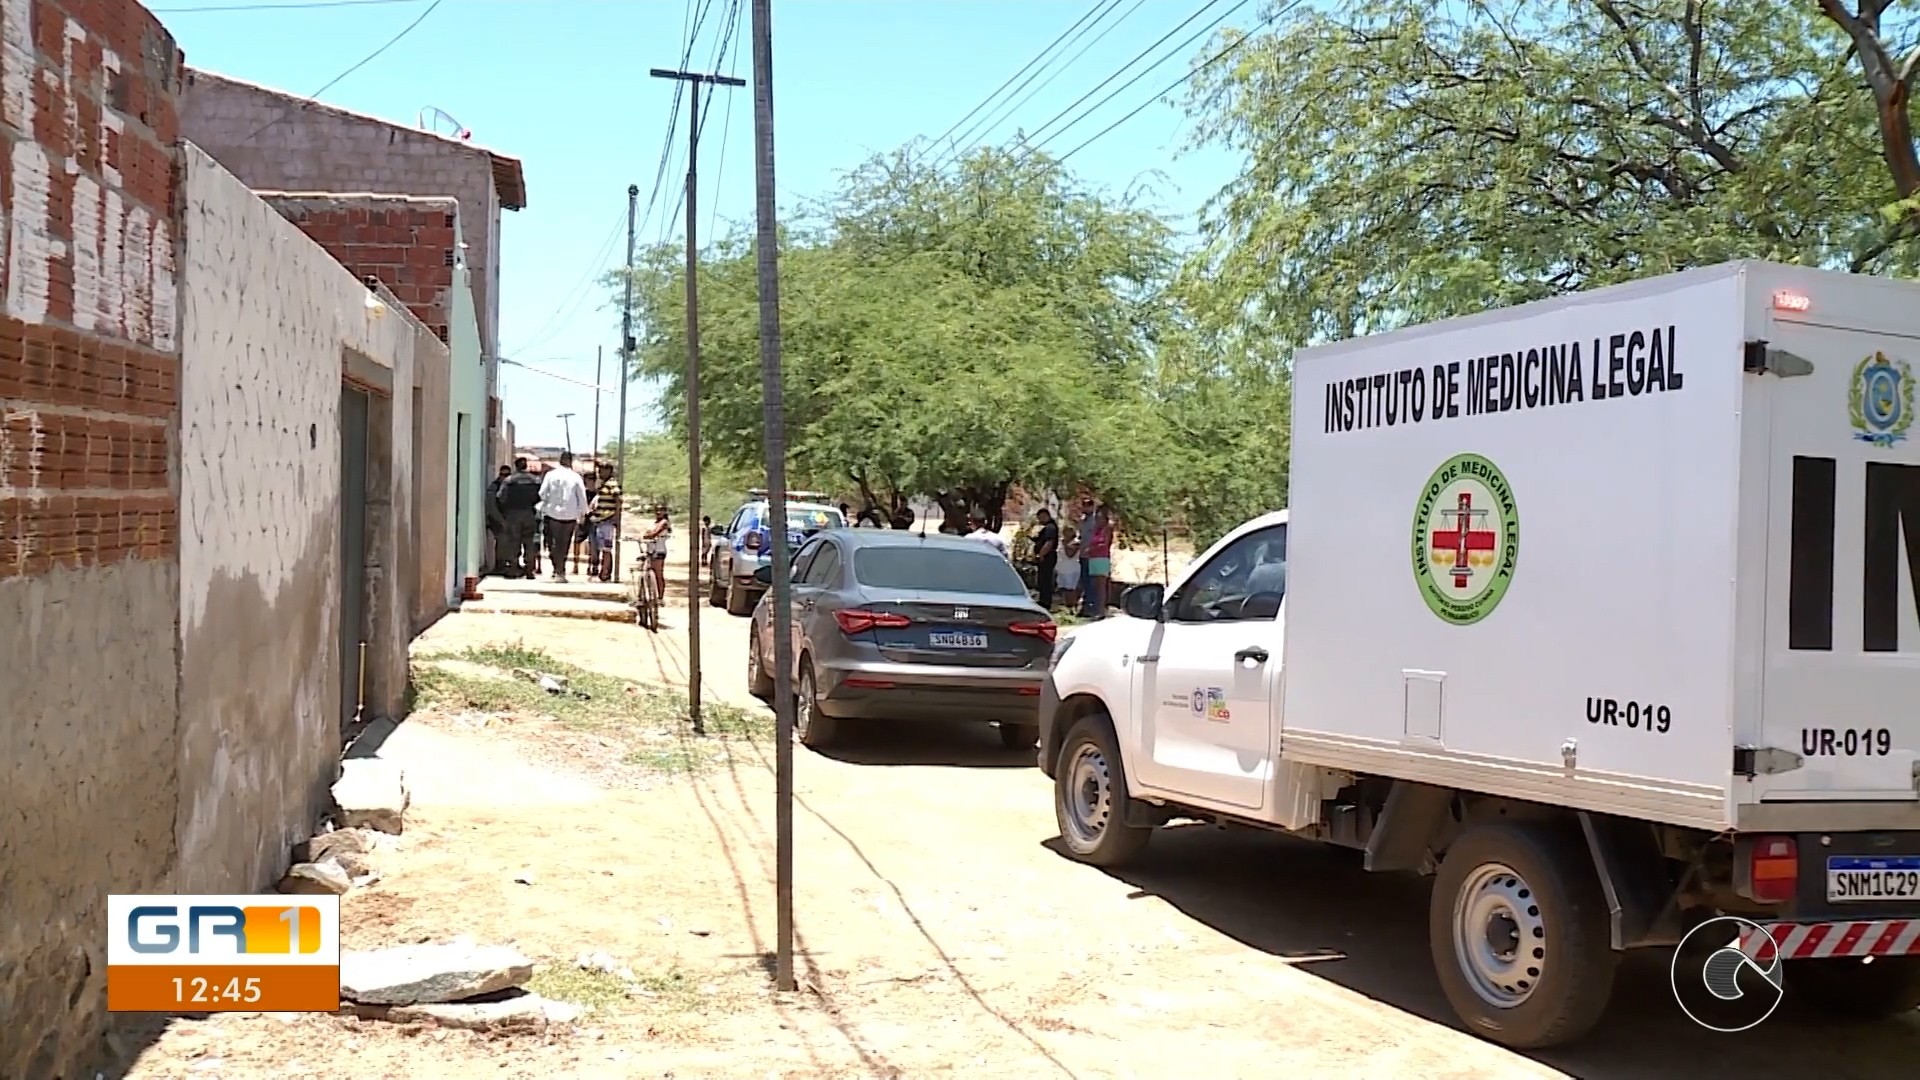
column 1092, row 822
column 759, row 679
column 1549, row 882
column 1847, row 989
column 716, row 586
column 812, row 728
column 738, row 602
column 1019, row 736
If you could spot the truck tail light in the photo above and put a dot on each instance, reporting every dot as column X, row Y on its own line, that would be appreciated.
column 1045, row 631
column 855, row 621
column 751, row 542
column 1773, row 866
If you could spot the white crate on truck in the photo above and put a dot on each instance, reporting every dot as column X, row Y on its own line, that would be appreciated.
column 1576, row 552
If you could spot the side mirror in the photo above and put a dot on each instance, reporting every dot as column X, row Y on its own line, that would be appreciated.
column 763, row 575
column 719, row 530
column 1144, row 601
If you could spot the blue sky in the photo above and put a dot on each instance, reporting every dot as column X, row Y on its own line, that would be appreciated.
column 563, row 85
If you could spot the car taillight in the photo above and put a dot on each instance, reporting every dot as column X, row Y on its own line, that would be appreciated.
column 752, row 542
column 856, row 621
column 1045, row 631
column 1773, row 866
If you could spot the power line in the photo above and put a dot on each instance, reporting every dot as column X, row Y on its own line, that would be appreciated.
column 726, row 124
column 1062, row 70
column 984, row 102
column 987, row 123
column 1034, row 147
column 1175, row 85
column 364, row 61
column 571, row 300
column 686, row 57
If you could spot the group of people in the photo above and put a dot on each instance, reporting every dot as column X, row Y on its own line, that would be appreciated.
column 1088, row 563
column 558, row 505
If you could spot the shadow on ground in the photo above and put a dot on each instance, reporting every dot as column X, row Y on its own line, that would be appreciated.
column 918, row 742
column 1301, row 900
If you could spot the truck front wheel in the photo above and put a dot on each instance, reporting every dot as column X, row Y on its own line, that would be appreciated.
column 1853, row 990
column 1090, row 798
column 1518, row 928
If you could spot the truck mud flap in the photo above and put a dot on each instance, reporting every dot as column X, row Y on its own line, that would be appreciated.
column 1410, row 819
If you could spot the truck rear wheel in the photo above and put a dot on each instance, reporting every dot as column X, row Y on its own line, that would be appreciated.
column 1849, row 989
column 1518, row 928
column 1090, row 798
column 738, row 602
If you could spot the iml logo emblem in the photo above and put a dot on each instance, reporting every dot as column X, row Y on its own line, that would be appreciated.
column 223, row 930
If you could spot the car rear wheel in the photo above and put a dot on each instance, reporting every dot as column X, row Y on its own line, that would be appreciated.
column 738, row 602
column 1090, row 798
column 813, row 728
column 716, row 589
column 759, row 680
column 1019, row 736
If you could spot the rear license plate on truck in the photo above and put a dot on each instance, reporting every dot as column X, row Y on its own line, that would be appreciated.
column 1886, row 877
column 957, row 639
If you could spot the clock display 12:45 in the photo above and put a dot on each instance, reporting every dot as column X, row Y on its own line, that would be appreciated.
column 204, row 991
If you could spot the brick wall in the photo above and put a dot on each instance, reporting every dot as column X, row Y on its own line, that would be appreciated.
column 89, row 573
column 409, row 244
column 89, row 364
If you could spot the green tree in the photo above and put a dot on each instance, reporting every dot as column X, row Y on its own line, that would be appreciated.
column 1409, row 160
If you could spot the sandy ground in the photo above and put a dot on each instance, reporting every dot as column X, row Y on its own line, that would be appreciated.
column 938, row 932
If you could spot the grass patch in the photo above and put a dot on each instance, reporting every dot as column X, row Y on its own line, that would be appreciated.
column 569, row 982
column 651, row 720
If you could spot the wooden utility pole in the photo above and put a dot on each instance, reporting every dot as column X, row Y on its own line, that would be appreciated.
column 626, row 359
column 695, row 541
column 599, row 364
column 773, row 406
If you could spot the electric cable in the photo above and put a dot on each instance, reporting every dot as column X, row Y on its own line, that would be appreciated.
column 984, row 102
column 363, row 62
column 957, row 147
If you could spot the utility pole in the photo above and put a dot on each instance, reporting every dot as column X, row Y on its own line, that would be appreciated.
column 695, row 541
column 626, row 359
column 599, row 363
column 566, row 425
column 774, row 421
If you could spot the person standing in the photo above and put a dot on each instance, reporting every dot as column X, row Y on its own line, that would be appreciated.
column 519, row 501
column 659, row 536
column 1084, row 531
column 1046, row 556
column 977, row 530
column 604, row 545
column 563, row 502
column 497, row 561
column 1099, row 548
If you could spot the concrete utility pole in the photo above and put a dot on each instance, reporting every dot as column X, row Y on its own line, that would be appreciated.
column 774, row 420
column 566, row 425
column 694, row 539
column 626, row 359
column 599, row 363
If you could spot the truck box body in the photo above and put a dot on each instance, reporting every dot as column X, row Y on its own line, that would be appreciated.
column 1578, row 552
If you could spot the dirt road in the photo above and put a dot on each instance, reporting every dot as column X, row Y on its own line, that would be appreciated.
column 939, row 933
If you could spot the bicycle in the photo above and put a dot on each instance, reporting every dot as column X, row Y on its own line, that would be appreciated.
column 645, row 598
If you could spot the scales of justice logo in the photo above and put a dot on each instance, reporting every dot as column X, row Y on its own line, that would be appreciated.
column 1466, row 538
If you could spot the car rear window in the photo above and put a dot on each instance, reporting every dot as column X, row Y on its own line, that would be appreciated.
column 937, row 569
column 813, row 518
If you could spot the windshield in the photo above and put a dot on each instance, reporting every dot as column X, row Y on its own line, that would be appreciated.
column 813, row 518
column 937, row 569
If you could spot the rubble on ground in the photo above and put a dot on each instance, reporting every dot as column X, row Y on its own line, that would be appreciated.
column 324, row 878
column 371, row 794
column 454, row 985
column 332, row 862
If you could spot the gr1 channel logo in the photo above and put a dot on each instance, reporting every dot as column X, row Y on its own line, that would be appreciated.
column 199, row 954
column 1727, row 974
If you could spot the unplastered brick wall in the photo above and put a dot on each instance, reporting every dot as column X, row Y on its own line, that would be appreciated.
column 410, row 244
column 88, row 353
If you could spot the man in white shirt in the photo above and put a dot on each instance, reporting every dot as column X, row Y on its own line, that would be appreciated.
column 563, row 502
column 979, row 531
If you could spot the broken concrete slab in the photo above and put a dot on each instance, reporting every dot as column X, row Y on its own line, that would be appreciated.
column 431, row 974
column 324, row 878
column 371, row 794
column 514, row 1012
column 332, row 844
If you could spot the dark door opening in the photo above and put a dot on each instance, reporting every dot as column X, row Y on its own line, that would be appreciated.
column 354, row 410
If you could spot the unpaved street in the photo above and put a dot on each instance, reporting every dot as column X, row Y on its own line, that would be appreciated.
column 939, row 934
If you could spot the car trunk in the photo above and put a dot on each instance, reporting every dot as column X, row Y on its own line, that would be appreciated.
column 956, row 628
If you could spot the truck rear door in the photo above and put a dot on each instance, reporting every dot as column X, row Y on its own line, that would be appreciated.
column 1841, row 684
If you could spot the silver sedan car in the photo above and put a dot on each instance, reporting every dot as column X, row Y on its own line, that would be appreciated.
column 898, row 625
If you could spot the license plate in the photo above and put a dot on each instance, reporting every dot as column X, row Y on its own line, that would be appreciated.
column 956, row 639
column 1884, row 877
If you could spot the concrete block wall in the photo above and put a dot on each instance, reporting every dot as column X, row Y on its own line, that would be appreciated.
column 409, row 243
column 89, row 393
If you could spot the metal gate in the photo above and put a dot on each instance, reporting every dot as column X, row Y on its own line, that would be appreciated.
column 354, row 409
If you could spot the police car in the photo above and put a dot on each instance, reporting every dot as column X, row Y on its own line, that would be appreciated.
column 745, row 544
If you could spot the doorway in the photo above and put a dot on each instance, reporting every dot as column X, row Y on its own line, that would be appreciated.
column 462, row 498
column 355, row 408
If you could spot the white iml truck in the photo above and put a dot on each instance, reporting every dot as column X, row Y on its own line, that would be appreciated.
column 1600, row 609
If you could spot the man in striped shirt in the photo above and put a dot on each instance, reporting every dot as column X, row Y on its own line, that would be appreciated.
column 604, row 520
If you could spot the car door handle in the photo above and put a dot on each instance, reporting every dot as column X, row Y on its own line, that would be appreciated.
column 1252, row 652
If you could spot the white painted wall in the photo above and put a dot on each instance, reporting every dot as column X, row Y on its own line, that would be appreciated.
column 266, row 315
